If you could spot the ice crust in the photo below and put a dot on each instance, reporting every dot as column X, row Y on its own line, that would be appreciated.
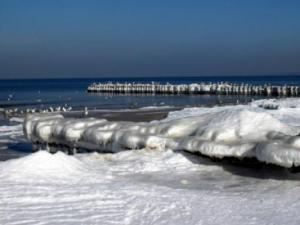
column 271, row 136
column 142, row 187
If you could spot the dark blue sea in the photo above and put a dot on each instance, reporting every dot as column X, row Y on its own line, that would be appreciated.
column 42, row 93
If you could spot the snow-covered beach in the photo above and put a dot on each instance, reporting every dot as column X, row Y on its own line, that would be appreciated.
column 149, row 179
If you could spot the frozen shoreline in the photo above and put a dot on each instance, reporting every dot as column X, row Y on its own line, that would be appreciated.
column 157, row 185
column 241, row 131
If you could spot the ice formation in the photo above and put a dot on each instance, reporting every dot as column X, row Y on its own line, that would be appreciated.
column 271, row 136
column 158, row 186
column 141, row 187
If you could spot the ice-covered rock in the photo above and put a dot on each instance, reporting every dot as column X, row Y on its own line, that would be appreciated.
column 231, row 131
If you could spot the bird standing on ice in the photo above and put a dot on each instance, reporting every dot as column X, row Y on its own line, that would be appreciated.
column 86, row 112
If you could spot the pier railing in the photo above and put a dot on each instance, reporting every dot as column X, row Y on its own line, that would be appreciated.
column 197, row 88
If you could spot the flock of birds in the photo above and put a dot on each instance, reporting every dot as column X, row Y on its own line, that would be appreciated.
column 14, row 111
column 51, row 109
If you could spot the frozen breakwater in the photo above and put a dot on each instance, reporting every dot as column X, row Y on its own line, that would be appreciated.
column 221, row 88
column 242, row 131
column 155, row 184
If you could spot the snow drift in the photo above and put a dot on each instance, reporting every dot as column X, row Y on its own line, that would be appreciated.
column 271, row 136
column 142, row 188
column 42, row 166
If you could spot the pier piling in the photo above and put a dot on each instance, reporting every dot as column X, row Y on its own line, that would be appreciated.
column 221, row 88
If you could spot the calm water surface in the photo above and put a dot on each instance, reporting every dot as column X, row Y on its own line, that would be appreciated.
column 42, row 93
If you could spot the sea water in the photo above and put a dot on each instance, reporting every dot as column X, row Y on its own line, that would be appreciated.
column 43, row 93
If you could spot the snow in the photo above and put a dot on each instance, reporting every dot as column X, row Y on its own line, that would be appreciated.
column 142, row 187
column 11, row 130
column 42, row 166
column 271, row 136
column 155, row 184
column 277, row 103
column 17, row 119
column 155, row 107
column 10, row 134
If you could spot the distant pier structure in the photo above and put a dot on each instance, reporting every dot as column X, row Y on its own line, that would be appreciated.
column 221, row 88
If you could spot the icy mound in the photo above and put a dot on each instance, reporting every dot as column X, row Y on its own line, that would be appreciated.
column 235, row 125
column 277, row 103
column 43, row 166
column 285, row 110
column 232, row 131
column 243, row 133
column 266, row 103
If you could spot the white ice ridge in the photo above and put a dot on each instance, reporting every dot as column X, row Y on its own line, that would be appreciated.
column 271, row 136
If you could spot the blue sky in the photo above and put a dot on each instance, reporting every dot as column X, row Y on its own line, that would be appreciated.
column 89, row 38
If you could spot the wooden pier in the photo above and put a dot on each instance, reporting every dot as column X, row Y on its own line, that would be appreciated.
column 221, row 88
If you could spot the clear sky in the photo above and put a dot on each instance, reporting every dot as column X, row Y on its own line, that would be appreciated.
column 90, row 38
